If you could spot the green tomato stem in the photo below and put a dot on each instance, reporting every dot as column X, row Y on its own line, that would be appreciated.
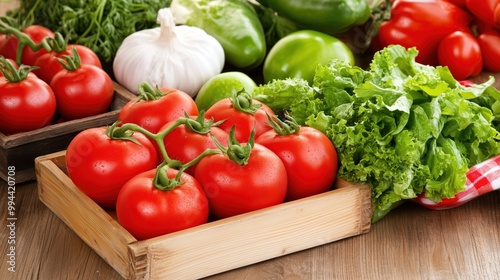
column 147, row 92
column 23, row 39
column 240, row 154
column 12, row 74
column 243, row 102
column 161, row 180
column 71, row 62
column 286, row 127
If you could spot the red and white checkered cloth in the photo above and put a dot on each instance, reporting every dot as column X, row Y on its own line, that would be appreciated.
column 481, row 178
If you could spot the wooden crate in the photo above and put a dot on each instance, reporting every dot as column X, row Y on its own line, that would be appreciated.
column 20, row 150
column 207, row 249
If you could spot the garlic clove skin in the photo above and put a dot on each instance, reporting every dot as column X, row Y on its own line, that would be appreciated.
column 181, row 57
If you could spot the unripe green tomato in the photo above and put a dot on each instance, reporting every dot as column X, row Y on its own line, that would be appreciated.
column 298, row 54
column 222, row 86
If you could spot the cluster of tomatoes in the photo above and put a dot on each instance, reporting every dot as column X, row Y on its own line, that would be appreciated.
column 43, row 80
column 165, row 166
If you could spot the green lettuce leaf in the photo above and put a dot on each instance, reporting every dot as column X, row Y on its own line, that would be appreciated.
column 402, row 127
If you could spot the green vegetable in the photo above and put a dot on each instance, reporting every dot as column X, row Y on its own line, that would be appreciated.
column 400, row 126
column 330, row 16
column 298, row 54
column 234, row 23
column 100, row 25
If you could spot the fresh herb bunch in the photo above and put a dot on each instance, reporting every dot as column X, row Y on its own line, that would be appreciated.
column 101, row 25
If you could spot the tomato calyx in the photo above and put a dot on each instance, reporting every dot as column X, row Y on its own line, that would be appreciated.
column 243, row 102
column 146, row 92
column 12, row 74
column 235, row 151
column 200, row 125
column 283, row 127
column 115, row 133
column 71, row 62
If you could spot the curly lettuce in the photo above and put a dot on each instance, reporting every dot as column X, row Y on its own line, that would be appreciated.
column 402, row 127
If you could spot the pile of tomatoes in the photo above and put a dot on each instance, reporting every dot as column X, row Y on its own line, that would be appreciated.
column 165, row 166
column 43, row 80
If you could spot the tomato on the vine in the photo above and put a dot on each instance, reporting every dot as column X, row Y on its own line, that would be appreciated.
column 147, row 210
column 36, row 33
column 26, row 102
column 100, row 165
column 49, row 64
column 186, row 142
column 460, row 51
column 243, row 112
column 242, row 179
column 153, row 108
column 82, row 90
column 309, row 156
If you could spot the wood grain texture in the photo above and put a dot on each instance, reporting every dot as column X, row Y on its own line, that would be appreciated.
column 411, row 242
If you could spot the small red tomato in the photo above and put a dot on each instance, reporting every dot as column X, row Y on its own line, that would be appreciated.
column 146, row 211
column 310, row 160
column 243, row 112
column 83, row 91
column 25, row 105
column 185, row 144
column 153, row 108
column 490, row 48
column 99, row 166
column 234, row 188
column 49, row 64
column 461, row 52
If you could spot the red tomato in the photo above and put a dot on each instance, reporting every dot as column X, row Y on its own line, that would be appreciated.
column 310, row 160
column 486, row 10
column 234, row 189
column 184, row 145
column 153, row 114
column 100, row 166
column 490, row 49
column 25, row 105
column 86, row 91
column 37, row 33
column 460, row 51
column 49, row 65
column 146, row 211
column 245, row 122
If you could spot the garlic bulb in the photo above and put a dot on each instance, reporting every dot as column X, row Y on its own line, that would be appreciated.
column 181, row 57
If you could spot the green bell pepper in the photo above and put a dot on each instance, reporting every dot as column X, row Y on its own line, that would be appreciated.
column 298, row 54
column 234, row 23
column 329, row 16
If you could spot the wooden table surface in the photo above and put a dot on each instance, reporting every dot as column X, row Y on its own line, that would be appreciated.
column 411, row 242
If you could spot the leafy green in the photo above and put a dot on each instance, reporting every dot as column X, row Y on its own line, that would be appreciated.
column 101, row 25
column 402, row 127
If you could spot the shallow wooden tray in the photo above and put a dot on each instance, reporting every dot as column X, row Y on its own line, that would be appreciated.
column 211, row 248
column 20, row 150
